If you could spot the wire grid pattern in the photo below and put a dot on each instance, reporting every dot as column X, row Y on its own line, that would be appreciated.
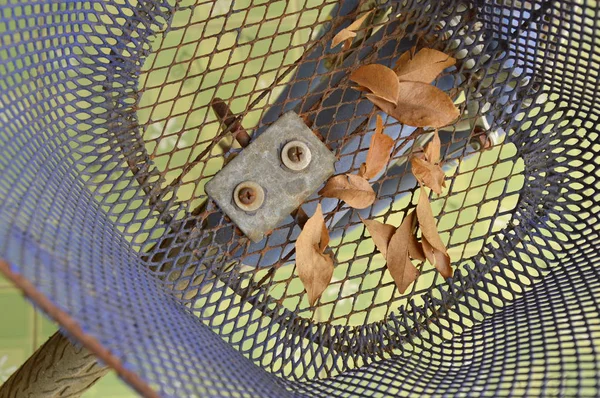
column 104, row 210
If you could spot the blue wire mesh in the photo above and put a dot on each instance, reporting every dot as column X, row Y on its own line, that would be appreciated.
column 103, row 209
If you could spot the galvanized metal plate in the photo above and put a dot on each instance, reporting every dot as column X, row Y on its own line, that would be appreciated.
column 261, row 163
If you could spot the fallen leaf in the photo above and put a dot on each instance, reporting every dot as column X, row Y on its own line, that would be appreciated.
column 430, row 175
column 433, row 148
column 324, row 234
column 352, row 189
column 428, row 251
column 357, row 24
column 342, row 36
column 427, row 222
column 379, row 153
column 314, row 268
column 415, row 249
column 440, row 260
column 425, row 166
column 419, row 105
column 401, row 268
column 386, row 106
column 361, row 88
column 381, row 80
column 433, row 247
column 380, row 233
column 350, row 31
column 424, row 66
column 362, row 170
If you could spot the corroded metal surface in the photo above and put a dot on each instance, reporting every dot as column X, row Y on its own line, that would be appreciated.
column 261, row 163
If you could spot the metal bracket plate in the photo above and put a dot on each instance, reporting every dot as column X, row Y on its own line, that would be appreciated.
column 261, row 163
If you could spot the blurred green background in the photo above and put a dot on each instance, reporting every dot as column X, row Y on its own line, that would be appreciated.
column 23, row 329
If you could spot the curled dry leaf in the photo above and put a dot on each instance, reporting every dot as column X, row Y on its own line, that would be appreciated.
column 344, row 36
column 419, row 105
column 379, row 152
column 424, row 66
column 363, row 89
column 415, row 248
column 314, row 267
column 433, row 148
column 379, row 79
column 434, row 248
column 401, row 268
column 380, row 233
column 430, row 175
column 352, row 189
column 427, row 222
column 347, row 34
column 440, row 260
column 425, row 167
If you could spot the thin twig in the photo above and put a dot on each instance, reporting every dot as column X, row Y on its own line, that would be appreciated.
column 228, row 118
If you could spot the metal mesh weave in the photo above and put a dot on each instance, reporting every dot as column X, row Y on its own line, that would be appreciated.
column 108, row 137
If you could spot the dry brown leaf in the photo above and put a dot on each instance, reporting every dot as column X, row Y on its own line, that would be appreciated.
column 347, row 44
column 401, row 268
column 428, row 251
column 430, row 175
column 440, row 260
column 342, row 36
column 433, row 148
column 424, row 66
column 386, row 106
column 381, row 80
column 349, row 32
column 324, row 234
column 433, row 247
column 314, row 268
column 419, row 105
column 361, row 88
column 427, row 222
column 380, row 233
column 415, row 249
column 379, row 152
column 352, row 189
column 357, row 24
column 362, row 170
column 425, row 167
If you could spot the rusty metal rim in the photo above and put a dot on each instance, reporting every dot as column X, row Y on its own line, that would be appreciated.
column 68, row 323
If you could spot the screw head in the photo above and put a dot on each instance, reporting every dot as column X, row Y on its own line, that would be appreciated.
column 249, row 196
column 296, row 155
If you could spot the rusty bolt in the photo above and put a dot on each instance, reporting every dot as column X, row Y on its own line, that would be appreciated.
column 483, row 139
column 247, row 195
column 229, row 121
column 296, row 155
